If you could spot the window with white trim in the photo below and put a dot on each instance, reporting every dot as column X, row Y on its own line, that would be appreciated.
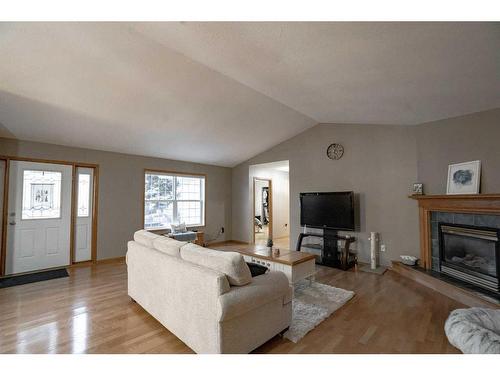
column 173, row 199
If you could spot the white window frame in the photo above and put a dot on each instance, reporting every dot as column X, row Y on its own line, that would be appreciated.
column 174, row 200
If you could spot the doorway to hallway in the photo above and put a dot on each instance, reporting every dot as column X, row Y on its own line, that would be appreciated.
column 270, row 203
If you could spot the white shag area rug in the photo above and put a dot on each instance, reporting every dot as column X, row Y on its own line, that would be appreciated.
column 313, row 303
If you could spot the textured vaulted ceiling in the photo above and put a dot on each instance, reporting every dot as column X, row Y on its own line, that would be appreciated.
column 220, row 93
column 384, row 73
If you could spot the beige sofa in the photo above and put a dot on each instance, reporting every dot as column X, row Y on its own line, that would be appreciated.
column 207, row 298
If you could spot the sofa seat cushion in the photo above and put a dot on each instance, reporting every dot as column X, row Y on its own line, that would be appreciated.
column 263, row 289
column 168, row 246
column 145, row 238
column 231, row 264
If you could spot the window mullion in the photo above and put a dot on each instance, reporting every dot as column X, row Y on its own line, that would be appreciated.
column 174, row 190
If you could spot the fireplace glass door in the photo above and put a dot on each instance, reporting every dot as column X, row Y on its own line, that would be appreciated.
column 469, row 251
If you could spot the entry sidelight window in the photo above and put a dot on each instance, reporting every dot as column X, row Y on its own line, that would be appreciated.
column 83, row 195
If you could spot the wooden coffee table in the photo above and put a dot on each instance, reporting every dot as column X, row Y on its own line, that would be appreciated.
column 296, row 265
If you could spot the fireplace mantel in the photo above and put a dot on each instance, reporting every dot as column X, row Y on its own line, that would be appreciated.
column 472, row 203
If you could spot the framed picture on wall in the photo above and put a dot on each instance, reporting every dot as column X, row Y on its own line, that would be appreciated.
column 464, row 178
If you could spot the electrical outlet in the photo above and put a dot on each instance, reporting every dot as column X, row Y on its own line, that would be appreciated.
column 382, row 248
column 222, row 229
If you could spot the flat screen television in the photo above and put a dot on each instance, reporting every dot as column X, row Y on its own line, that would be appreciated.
column 333, row 210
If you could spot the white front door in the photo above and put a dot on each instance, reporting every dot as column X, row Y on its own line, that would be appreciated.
column 39, row 216
column 83, row 222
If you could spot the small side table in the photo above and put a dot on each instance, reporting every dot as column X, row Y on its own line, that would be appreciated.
column 200, row 238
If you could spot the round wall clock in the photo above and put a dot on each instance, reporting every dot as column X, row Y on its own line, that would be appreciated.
column 335, row 151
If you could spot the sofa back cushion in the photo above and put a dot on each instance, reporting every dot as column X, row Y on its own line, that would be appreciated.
column 231, row 264
column 145, row 238
column 172, row 277
column 168, row 246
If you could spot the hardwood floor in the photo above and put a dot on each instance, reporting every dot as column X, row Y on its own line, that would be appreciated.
column 90, row 312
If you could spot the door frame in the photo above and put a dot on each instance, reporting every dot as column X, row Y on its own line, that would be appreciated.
column 252, row 211
column 95, row 200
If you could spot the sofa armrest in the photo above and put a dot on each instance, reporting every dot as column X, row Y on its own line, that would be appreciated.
column 180, row 295
column 262, row 290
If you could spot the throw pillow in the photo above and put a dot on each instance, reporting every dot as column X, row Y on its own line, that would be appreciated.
column 256, row 269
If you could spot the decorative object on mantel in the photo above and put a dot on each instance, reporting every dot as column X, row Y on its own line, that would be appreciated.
column 276, row 252
column 335, row 151
column 373, row 267
column 417, row 188
column 312, row 303
column 409, row 260
column 464, row 178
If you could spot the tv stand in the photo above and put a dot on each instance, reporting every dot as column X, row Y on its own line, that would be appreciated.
column 331, row 254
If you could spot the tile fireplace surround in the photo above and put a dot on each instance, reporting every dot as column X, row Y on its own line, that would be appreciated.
column 480, row 210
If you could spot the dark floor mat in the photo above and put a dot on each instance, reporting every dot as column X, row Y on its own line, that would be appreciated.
column 33, row 277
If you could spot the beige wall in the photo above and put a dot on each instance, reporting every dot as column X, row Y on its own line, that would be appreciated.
column 379, row 164
column 121, row 185
column 472, row 137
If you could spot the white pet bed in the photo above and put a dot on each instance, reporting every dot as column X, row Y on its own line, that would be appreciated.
column 475, row 330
